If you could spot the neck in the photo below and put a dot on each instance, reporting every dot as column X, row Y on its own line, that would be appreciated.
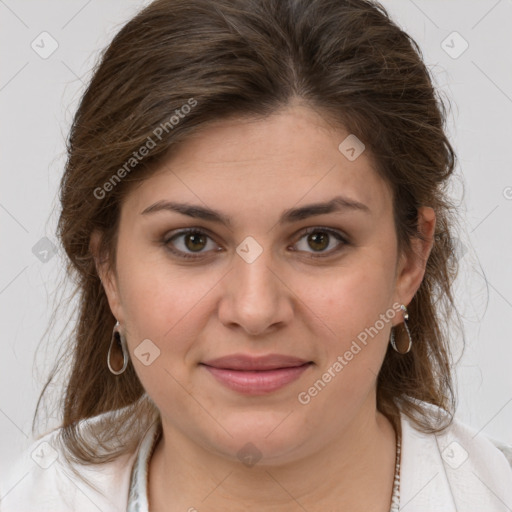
column 353, row 472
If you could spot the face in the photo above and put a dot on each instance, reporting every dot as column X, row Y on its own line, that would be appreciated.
column 315, row 289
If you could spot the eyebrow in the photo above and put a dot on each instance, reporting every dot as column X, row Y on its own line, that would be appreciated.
column 336, row 204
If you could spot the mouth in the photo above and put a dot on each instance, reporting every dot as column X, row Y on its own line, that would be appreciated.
column 256, row 375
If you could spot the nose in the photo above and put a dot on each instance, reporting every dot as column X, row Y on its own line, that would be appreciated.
column 256, row 298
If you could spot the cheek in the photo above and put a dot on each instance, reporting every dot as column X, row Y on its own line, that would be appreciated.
column 169, row 306
column 355, row 318
column 350, row 299
column 354, row 331
column 155, row 293
column 166, row 310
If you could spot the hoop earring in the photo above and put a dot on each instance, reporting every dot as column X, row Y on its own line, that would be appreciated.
column 116, row 335
column 392, row 339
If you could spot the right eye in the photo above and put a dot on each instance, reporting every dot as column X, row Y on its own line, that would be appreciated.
column 190, row 239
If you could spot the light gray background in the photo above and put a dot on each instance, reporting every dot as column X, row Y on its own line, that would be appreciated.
column 39, row 96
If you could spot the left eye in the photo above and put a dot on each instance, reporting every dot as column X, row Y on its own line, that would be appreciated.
column 320, row 238
column 196, row 241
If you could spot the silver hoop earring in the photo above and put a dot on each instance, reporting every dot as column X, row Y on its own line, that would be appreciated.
column 392, row 339
column 117, row 336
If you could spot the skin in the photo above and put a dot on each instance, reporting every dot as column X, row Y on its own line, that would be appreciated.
column 338, row 451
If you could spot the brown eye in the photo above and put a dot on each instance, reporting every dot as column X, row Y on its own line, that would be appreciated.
column 318, row 239
column 195, row 241
column 186, row 242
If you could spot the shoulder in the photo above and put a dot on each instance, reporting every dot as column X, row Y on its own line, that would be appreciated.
column 459, row 440
column 482, row 444
column 460, row 468
column 462, row 434
column 42, row 479
column 504, row 448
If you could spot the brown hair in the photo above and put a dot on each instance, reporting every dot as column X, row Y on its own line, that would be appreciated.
column 344, row 58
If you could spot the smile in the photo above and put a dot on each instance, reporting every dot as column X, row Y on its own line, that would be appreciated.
column 256, row 376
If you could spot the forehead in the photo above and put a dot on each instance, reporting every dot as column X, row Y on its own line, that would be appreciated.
column 286, row 159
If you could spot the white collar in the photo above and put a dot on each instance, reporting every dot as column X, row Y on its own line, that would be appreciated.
column 458, row 470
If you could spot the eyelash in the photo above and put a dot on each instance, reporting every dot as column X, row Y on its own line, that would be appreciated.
column 336, row 234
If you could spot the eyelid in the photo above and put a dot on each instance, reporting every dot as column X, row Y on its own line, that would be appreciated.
column 339, row 235
column 335, row 233
column 168, row 237
column 332, row 231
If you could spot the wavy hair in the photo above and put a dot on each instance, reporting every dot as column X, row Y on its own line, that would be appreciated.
column 344, row 58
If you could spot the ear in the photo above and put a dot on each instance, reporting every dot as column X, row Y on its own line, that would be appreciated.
column 411, row 268
column 107, row 275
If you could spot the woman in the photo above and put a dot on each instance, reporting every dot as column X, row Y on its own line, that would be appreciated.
column 254, row 211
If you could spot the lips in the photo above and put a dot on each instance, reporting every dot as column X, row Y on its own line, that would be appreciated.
column 242, row 362
column 256, row 375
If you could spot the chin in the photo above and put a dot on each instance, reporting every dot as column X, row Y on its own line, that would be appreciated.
column 261, row 441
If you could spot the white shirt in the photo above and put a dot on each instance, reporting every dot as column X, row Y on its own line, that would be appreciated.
column 138, row 495
column 458, row 470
